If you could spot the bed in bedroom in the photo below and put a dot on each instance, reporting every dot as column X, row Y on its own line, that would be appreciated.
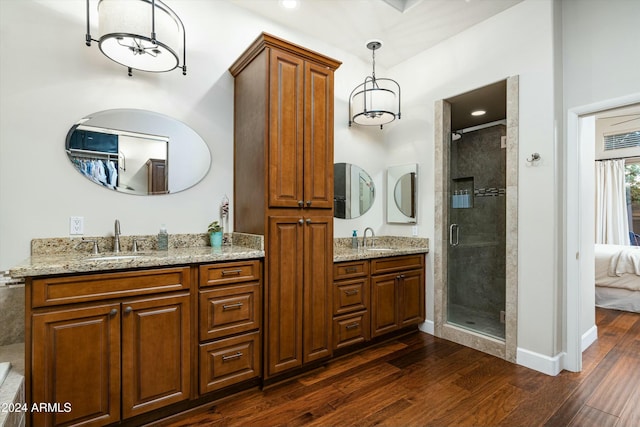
column 618, row 277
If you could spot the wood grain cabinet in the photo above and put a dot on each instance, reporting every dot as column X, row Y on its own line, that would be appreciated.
column 397, row 293
column 112, row 345
column 230, row 318
column 283, row 189
column 350, row 303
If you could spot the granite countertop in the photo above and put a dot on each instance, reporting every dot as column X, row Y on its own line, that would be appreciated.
column 61, row 256
column 44, row 265
column 380, row 247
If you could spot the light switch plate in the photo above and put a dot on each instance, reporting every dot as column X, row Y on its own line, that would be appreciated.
column 414, row 231
column 76, row 225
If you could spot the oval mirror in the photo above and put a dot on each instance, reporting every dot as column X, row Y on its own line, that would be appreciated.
column 353, row 191
column 402, row 194
column 137, row 152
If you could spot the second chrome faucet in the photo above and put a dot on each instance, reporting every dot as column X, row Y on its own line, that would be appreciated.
column 116, row 236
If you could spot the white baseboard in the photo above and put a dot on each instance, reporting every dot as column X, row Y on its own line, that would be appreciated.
column 589, row 337
column 428, row 327
column 539, row 362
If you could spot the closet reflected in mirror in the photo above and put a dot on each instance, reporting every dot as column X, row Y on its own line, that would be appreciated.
column 402, row 194
column 137, row 152
column 353, row 191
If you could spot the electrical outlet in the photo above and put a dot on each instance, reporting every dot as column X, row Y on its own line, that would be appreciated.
column 414, row 231
column 76, row 225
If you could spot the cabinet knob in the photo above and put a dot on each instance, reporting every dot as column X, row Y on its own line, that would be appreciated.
column 128, row 309
column 113, row 312
column 308, row 202
column 308, row 221
column 301, row 221
column 300, row 203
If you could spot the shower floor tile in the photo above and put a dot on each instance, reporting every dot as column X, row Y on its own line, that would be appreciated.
column 476, row 320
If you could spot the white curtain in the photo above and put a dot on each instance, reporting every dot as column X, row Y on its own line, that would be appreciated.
column 612, row 224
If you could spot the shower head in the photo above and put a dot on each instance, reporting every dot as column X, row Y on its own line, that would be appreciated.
column 456, row 135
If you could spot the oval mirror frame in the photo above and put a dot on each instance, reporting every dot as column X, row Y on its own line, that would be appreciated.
column 353, row 191
column 401, row 194
column 137, row 152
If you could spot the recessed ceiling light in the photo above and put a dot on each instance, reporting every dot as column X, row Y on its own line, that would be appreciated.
column 289, row 4
column 478, row 113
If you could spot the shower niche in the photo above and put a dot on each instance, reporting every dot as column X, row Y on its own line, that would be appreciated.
column 462, row 193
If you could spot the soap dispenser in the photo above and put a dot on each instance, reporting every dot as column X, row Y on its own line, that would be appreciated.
column 163, row 238
column 354, row 240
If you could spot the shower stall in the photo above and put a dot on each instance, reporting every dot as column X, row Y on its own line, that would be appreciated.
column 477, row 230
column 475, row 246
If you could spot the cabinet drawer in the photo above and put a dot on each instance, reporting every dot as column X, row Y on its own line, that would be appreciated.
column 94, row 287
column 229, row 361
column 229, row 310
column 350, row 329
column 232, row 272
column 398, row 263
column 348, row 270
column 350, row 295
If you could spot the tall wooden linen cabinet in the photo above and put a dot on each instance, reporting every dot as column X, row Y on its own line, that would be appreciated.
column 283, row 189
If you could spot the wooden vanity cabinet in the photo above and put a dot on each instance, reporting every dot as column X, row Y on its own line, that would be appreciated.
column 397, row 293
column 111, row 345
column 230, row 313
column 350, row 303
column 283, row 189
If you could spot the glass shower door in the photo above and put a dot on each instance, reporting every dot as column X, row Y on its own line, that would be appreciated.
column 476, row 282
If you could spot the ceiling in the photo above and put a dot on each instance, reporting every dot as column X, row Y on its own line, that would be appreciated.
column 406, row 27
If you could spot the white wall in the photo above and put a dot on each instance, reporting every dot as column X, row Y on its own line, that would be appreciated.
column 49, row 79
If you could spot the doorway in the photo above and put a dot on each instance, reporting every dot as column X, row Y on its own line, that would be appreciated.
column 475, row 262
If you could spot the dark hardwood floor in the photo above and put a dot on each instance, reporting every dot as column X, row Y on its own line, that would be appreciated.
column 420, row 380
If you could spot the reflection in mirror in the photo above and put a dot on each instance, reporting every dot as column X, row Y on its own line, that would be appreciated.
column 137, row 152
column 401, row 194
column 353, row 193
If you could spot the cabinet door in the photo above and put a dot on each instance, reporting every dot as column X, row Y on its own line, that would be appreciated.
column 283, row 294
column 76, row 360
column 156, row 358
column 286, row 79
column 412, row 298
column 384, row 304
column 318, row 279
column 318, row 137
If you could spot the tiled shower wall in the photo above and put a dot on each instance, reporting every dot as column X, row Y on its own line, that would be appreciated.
column 478, row 165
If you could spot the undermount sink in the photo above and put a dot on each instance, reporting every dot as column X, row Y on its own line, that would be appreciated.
column 112, row 257
column 379, row 249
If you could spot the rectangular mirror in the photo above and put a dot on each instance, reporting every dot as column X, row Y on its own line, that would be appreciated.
column 401, row 194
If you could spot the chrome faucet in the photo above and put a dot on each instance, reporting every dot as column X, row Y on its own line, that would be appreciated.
column 364, row 236
column 116, row 237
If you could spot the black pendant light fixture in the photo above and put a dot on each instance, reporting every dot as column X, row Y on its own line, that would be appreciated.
column 143, row 35
column 375, row 102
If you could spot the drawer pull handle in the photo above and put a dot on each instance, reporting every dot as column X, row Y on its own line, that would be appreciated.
column 351, row 269
column 352, row 326
column 351, row 292
column 232, row 306
column 232, row 356
column 231, row 272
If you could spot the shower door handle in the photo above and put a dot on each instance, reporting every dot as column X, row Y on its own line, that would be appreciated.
column 454, row 234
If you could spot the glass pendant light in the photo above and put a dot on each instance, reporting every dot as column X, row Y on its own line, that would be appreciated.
column 375, row 102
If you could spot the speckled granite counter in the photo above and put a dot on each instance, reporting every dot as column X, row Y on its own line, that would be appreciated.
column 383, row 246
column 48, row 259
